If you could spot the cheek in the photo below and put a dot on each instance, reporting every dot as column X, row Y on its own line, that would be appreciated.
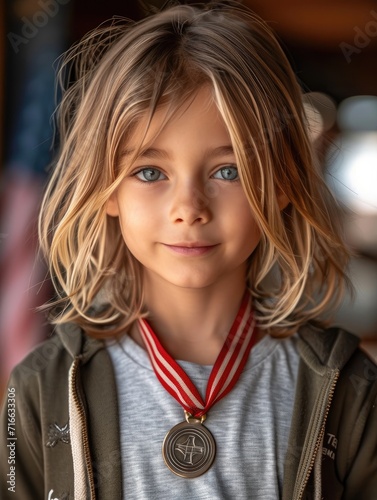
column 138, row 221
column 240, row 216
column 136, row 213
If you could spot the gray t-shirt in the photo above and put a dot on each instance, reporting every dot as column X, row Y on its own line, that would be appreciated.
column 250, row 425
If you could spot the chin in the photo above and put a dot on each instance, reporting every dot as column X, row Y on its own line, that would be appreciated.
column 191, row 284
column 192, row 280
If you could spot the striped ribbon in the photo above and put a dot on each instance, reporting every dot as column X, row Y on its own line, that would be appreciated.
column 225, row 372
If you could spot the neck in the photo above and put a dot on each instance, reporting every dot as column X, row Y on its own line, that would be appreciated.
column 191, row 324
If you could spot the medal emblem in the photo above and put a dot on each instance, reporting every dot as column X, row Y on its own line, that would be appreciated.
column 189, row 449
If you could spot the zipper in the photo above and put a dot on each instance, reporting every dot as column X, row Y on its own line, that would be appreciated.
column 330, row 395
column 81, row 411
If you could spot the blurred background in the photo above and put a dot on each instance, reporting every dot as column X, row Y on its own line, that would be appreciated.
column 332, row 45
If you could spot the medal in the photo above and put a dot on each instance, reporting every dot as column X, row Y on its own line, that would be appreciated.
column 189, row 448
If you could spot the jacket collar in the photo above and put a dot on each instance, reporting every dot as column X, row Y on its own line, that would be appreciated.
column 77, row 343
column 326, row 349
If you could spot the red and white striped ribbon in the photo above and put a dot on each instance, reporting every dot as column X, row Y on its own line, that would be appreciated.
column 225, row 372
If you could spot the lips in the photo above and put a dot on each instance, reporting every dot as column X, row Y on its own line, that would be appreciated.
column 190, row 244
column 196, row 248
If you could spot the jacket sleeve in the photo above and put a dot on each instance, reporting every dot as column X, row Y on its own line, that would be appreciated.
column 361, row 481
column 21, row 454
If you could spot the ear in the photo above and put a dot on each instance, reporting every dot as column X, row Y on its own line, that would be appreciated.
column 112, row 207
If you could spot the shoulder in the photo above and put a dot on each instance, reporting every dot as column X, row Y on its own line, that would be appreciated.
column 44, row 357
column 332, row 347
column 336, row 350
column 45, row 369
column 41, row 386
column 351, row 418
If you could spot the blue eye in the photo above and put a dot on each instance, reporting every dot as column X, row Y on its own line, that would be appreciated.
column 149, row 175
column 228, row 173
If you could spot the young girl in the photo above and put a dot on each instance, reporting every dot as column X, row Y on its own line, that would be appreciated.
column 194, row 248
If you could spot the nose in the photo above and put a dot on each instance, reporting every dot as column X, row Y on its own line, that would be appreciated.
column 190, row 204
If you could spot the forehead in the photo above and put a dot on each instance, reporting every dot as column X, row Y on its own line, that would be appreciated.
column 195, row 119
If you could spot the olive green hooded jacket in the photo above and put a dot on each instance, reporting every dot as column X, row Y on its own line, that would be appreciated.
column 59, row 430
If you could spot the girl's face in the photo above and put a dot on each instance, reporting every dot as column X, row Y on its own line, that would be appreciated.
column 181, row 207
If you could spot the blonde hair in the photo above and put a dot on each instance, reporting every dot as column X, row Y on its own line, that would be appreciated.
column 125, row 72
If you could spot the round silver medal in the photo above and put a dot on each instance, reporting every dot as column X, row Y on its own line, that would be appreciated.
column 189, row 449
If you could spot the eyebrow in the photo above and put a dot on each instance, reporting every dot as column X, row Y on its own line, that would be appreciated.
column 161, row 154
